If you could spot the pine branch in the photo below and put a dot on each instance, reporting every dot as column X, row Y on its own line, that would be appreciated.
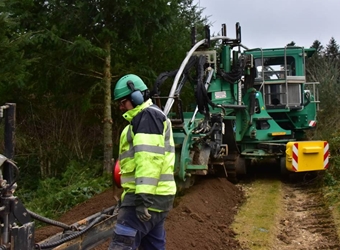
column 87, row 75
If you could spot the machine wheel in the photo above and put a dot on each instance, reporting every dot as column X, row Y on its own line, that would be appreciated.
column 182, row 185
column 241, row 165
column 236, row 166
column 285, row 174
column 232, row 168
column 232, row 177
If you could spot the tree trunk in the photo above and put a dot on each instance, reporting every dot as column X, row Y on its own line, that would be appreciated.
column 107, row 121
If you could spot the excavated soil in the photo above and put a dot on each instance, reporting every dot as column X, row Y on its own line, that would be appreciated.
column 200, row 219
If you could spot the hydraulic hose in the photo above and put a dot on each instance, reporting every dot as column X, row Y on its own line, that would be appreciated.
column 232, row 76
column 160, row 80
column 165, row 75
column 16, row 175
column 49, row 221
column 70, row 237
column 202, row 98
column 170, row 101
column 190, row 64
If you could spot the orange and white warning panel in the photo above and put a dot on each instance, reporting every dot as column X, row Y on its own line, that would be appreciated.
column 302, row 156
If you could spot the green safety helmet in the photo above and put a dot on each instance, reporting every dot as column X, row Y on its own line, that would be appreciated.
column 128, row 84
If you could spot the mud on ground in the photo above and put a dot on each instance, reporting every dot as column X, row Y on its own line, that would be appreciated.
column 306, row 222
column 200, row 219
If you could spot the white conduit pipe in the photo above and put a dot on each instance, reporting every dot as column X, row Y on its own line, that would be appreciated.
column 170, row 101
column 239, row 99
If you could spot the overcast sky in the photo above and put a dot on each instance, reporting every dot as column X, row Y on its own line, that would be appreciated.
column 275, row 23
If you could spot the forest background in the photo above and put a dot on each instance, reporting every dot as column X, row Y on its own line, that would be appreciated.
column 59, row 62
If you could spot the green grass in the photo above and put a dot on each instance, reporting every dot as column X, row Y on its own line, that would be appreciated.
column 331, row 182
column 55, row 196
column 331, row 193
column 254, row 222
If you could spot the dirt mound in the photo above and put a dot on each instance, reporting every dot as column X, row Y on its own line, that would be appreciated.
column 200, row 219
column 203, row 215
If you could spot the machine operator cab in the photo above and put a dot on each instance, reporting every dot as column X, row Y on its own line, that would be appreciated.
column 280, row 76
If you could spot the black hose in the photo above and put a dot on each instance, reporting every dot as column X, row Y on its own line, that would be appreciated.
column 165, row 75
column 16, row 175
column 49, row 221
column 211, row 130
column 191, row 63
column 201, row 93
column 70, row 237
column 160, row 80
column 234, row 75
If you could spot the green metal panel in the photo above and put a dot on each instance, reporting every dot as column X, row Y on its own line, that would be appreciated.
column 221, row 92
column 226, row 58
column 262, row 124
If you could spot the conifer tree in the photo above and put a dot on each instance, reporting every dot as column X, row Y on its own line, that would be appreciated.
column 81, row 48
column 332, row 49
column 317, row 46
column 12, row 63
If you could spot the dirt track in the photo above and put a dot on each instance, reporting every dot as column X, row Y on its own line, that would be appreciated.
column 306, row 223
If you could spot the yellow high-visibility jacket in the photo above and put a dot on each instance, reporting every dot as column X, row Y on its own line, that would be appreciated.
column 147, row 158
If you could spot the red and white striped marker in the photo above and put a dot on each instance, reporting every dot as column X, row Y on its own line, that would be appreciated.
column 325, row 155
column 295, row 157
column 312, row 123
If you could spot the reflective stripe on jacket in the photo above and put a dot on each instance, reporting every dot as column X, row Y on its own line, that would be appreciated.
column 147, row 158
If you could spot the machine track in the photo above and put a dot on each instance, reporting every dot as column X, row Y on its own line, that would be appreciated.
column 306, row 222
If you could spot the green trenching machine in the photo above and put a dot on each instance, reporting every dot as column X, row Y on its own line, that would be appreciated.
column 249, row 105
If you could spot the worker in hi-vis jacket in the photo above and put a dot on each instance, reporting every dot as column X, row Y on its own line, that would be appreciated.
column 146, row 160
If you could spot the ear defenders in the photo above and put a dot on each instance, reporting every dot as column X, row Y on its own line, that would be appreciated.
column 136, row 95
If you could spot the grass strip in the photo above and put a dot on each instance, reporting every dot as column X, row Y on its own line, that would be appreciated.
column 331, row 195
column 256, row 219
